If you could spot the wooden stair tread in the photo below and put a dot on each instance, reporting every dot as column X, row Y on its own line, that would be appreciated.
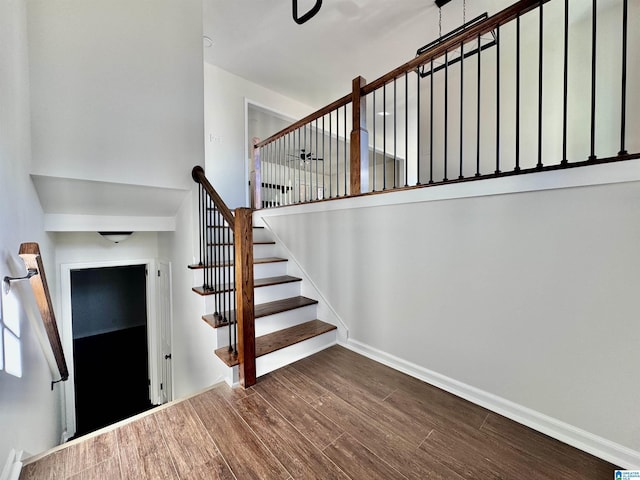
column 284, row 305
column 278, row 340
column 256, row 261
column 265, row 309
column 258, row 282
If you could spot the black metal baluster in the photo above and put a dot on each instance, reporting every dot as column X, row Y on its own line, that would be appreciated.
column 431, row 127
column 540, row 69
column 346, row 157
column 497, row 100
column 317, row 156
column 461, row 108
column 623, row 101
column 337, row 152
column 419, row 135
column 337, row 146
column 478, row 111
column 446, row 113
column 395, row 137
column 374, row 141
column 299, row 167
column 565, row 87
column 203, row 229
column 384, row 137
column 592, row 155
column 406, row 128
column 279, row 174
column 268, row 180
column 307, row 151
column 325, row 159
column 330, row 158
column 517, row 167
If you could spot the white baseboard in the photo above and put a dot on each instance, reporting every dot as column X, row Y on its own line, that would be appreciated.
column 13, row 466
column 576, row 437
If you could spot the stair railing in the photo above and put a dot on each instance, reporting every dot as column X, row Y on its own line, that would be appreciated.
column 518, row 92
column 226, row 260
column 30, row 254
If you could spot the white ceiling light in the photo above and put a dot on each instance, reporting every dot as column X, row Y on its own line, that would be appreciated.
column 116, row 237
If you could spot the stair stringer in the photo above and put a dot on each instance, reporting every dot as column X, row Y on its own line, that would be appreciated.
column 277, row 321
column 308, row 288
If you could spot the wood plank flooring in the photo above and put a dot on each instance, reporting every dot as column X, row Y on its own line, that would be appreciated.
column 334, row 415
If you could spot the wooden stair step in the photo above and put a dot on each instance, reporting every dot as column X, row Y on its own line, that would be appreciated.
column 284, row 305
column 264, row 309
column 256, row 261
column 278, row 340
column 258, row 282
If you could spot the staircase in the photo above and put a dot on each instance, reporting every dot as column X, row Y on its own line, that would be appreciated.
column 286, row 325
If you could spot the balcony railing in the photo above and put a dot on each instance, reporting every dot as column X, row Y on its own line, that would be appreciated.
column 540, row 85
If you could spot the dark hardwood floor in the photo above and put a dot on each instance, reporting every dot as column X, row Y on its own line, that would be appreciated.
column 335, row 415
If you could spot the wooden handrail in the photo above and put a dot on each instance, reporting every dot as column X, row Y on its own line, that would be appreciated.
column 439, row 49
column 30, row 254
column 341, row 102
column 197, row 173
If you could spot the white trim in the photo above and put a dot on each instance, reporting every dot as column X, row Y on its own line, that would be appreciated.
column 591, row 175
column 66, row 326
column 576, row 437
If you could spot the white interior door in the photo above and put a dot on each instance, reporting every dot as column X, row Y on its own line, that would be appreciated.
column 163, row 298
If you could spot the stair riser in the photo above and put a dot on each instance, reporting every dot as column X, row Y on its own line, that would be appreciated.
column 278, row 359
column 272, row 323
column 260, row 270
column 261, row 295
column 266, row 270
column 264, row 251
column 273, row 361
column 262, row 235
column 276, row 292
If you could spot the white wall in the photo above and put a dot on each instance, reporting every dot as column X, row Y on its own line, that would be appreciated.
column 224, row 99
column 30, row 413
column 117, row 90
column 526, row 300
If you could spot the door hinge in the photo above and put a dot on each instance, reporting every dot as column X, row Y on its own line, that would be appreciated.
column 161, row 387
column 158, row 272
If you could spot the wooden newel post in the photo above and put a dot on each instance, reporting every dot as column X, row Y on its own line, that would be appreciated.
column 359, row 139
column 256, row 176
column 243, row 238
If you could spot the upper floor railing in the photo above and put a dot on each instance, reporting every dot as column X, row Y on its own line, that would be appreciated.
column 540, row 85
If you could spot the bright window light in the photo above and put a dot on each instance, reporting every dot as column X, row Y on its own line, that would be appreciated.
column 13, row 354
column 1, row 341
column 11, row 308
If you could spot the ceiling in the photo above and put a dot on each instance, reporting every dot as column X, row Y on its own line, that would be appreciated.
column 315, row 63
